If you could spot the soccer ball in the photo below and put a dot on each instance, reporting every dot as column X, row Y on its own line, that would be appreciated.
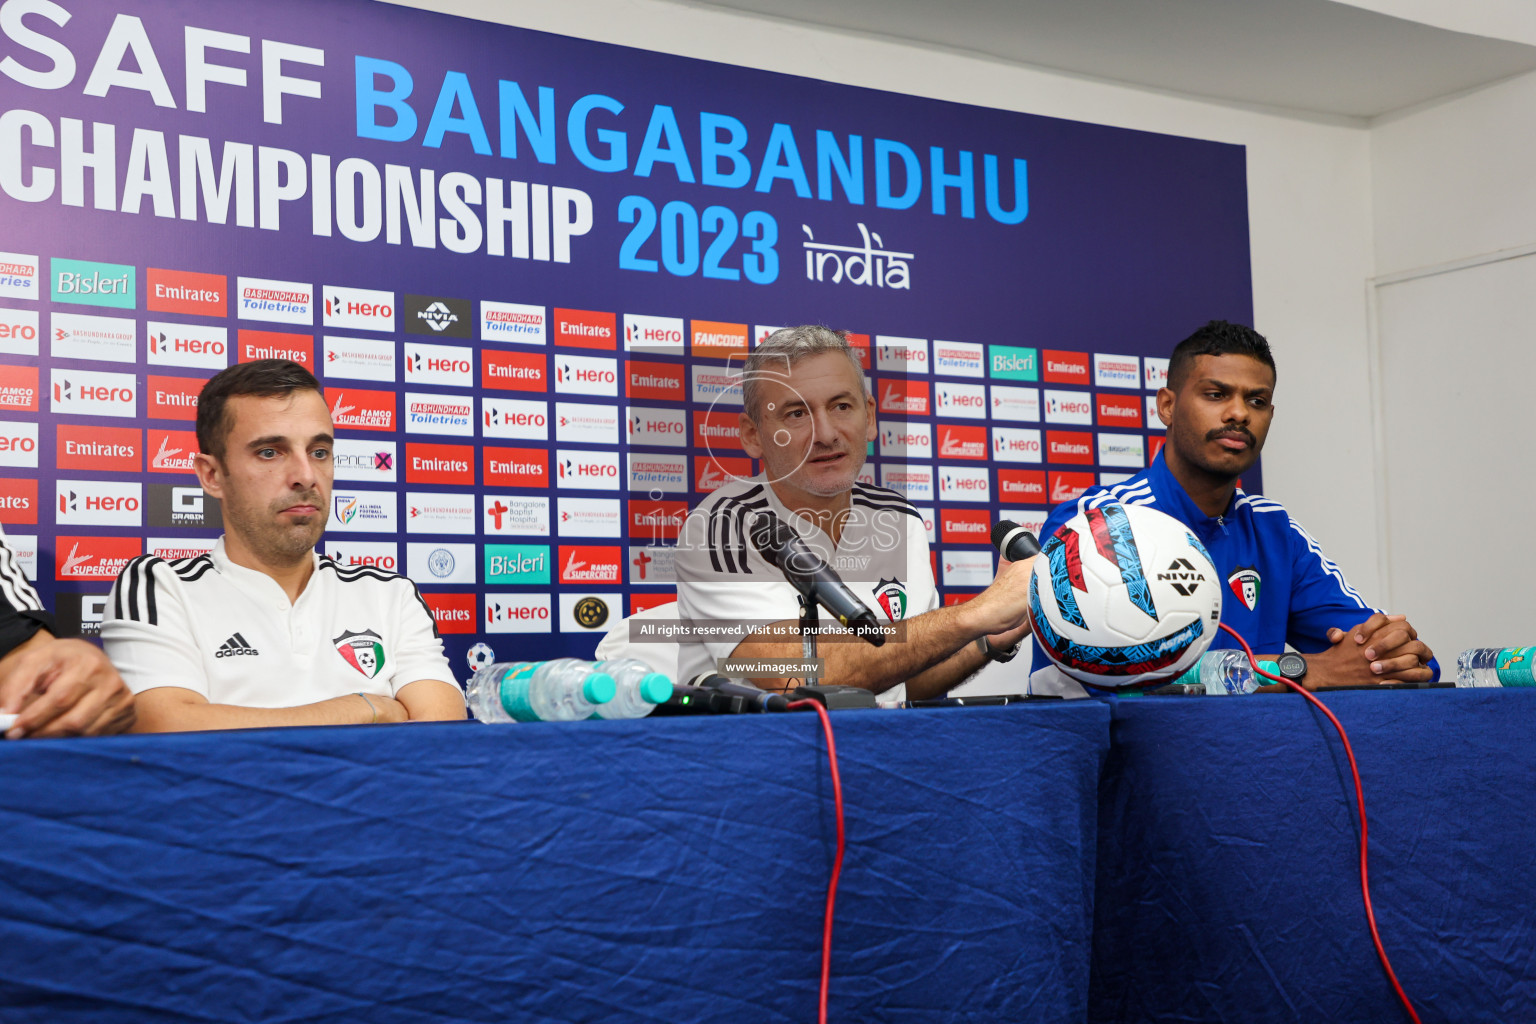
column 1123, row 596
column 480, row 656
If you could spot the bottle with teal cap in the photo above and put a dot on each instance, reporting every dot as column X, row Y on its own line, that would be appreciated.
column 1226, row 673
column 562, row 690
column 637, row 689
column 1496, row 666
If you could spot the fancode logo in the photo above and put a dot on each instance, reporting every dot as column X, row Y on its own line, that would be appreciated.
column 512, row 418
column 188, row 345
column 905, row 396
column 297, row 348
column 653, row 381
column 513, row 371
column 1009, row 362
column 583, row 563
column 1069, row 446
column 354, row 409
column 715, row 340
column 94, row 394
column 358, row 309
column 182, row 291
column 93, row 558
column 18, row 332
column 286, row 302
column 94, row 284
column 18, row 275
column 653, row 332
column 436, row 316
column 118, row 449
column 18, row 500
column 1065, row 367
column 583, row 328
column 515, row 467
column 512, row 322
column 440, row 463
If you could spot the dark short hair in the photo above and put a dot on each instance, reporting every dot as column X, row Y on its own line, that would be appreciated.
column 1217, row 338
column 264, row 378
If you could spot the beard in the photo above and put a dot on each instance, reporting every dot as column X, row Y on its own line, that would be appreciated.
column 831, row 487
column 275, row 541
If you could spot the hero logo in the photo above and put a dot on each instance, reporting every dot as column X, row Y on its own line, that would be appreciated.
column 286, row 302
column 585, row 375
column 450, row 366
column 962, row 442
column 18, row 332
column 513, row 322
column 958, row 359
column 1065, row 367
column 1068, row 407
column 908, row 396
column 510, row 418
column 956, row 484
column 18, row 275
column 592, row 471
column 94, row 394
column 589, row 564
column 901, row 354
column 961, row 401
column 1154, row 373
column 99, row 503
column 1069, row 447
column 359, row 309
column 18, row 444
column 906, row 439
column 188, row 345
column 664, row 427
column 379, row 555
column 1015, row 444
column 653, row 332
column 1116, row 371
column 517, row 613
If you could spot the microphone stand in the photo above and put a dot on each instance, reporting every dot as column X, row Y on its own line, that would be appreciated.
column 810, row 625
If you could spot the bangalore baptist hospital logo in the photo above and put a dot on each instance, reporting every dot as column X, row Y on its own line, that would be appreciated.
column 363, row 651
column 1244, row 582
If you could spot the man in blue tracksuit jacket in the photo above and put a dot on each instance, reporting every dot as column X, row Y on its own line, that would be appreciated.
column 1279, row 586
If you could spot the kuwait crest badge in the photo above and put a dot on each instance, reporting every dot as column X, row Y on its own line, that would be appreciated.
column 363, row 651
column 892, row 595
column 1244, row 582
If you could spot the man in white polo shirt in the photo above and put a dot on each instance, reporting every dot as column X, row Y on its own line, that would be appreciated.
column 262, row 631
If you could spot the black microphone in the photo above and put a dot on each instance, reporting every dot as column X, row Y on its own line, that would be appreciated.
column 755, row 698
column 813, row 577
column 699, row 700
column 1014, row 542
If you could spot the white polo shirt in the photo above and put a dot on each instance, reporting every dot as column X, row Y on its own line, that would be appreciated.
column 882, row 555
column 231, row 634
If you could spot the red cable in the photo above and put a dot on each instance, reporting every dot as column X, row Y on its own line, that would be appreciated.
column 1365, row 885
column 837, row 863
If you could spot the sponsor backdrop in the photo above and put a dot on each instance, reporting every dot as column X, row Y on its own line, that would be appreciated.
column 522, row 266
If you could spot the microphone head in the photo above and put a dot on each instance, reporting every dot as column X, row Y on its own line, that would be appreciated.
column 1000, row 531
column 773, row 537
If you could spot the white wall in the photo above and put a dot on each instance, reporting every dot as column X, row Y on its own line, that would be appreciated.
column 1455, row 207
column 1309, row 208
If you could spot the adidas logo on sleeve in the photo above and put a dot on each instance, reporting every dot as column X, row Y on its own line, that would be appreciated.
column 234, row 647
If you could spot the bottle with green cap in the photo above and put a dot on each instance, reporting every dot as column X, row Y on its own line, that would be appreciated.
column 637, row 689
column 562, row 690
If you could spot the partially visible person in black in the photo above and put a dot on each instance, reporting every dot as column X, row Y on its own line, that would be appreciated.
column 54, row 687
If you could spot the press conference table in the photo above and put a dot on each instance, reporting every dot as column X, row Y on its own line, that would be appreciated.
column 1184, row 859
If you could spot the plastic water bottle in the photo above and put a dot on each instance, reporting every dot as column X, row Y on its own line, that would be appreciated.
column 563, row 690
column 637, row 689
column 1226, row 673
column 1496, row 666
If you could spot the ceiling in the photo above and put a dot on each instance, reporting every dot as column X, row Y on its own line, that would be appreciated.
column 1313, row 57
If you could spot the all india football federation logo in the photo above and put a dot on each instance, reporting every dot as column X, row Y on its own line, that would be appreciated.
column 1244, row 582
column 363, row 651
column 892, row 595
column 346, row 509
